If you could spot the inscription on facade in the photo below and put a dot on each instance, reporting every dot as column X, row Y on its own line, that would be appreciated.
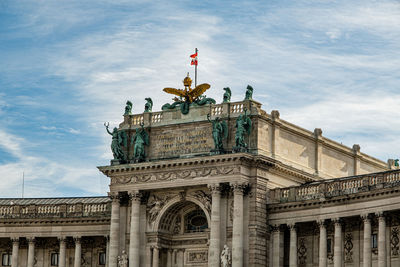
column 175, row 142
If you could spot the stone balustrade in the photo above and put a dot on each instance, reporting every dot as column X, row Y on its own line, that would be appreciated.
column 55, row 210
column 336, row 187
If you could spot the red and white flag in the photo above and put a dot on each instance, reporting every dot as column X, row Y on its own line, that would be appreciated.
column 194, row 59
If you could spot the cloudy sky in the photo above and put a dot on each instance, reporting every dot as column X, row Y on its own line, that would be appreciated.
column 66, row 67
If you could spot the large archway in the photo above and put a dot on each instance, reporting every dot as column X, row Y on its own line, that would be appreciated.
column 182, row 231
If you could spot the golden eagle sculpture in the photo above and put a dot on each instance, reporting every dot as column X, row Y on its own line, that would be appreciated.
column 190, row 95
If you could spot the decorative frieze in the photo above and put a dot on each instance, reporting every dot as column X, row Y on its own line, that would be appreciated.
column 197, row 257
column 174, row 175
column 348, row 247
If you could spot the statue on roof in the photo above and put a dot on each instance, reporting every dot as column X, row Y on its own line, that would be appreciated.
column 249, row 93
column 128, row 108
column 227, row 95
column 149, row 105
column 219, row 132
column 243, row 127
column 140, row 139
column 119, row 139
column 188, row 96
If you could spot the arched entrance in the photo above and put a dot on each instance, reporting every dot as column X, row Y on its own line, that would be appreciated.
column 181, row 237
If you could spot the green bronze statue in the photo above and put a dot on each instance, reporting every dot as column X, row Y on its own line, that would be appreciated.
column 396, row 162
column 140, row 139
column 227, row 95
column 243, row 127
column 219, row 132
column 149, row 105
column 249, row 93
column 119, row 139
column 128, row 108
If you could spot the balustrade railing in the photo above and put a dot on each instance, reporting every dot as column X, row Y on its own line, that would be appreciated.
column 55, row 210
column 336, row 187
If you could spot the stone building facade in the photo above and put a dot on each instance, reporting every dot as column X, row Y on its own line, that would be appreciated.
column 292, row 198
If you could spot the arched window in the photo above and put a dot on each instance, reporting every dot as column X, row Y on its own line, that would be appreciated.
column 195, row 221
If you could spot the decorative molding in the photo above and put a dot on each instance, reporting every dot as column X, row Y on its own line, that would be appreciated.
column 135, row 196
column 197, row 257
column 302, row 252
column 348, row 247
column 394, row 241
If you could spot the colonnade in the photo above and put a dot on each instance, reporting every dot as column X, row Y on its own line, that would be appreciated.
column 338, row 244
column 31, row 251
column 152, row 254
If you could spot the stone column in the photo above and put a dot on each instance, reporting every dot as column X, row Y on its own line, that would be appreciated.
column 381, row 240
column 114, row 230
column 148, row 257
column 181, row 253
column 156, row 257
column 293, row 246
column 169, row 258
column 322, row 244
column 276, row 246
column 61, row 255
column 15, row 249
column 215, row 239
column 31, row 251
column 107, row 237
column 367, row 241
column 134, row 241
column 78, row 252
column 174, row 257
column 237, row 225
column 337, row 252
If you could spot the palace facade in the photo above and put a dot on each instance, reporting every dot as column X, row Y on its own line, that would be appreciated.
column 289, row 197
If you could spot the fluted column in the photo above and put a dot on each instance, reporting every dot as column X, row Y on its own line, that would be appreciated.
column 215, row 238
column 367, row 241
column 149, row 258
column 337, row 253
column 31, row 251
column 169, row 258
column 61, row 259
column 276, row 246
column 381, row 240
column 293, row 246
column 78, row 252
column 156, row 257
column 15, row 249
column 237, row 225
column 134, row 242
column 114, row 230
column 322, row 244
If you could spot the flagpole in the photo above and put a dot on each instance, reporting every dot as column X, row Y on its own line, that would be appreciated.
column 195, row 70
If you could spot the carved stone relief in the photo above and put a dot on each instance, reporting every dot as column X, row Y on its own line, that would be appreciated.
column 154, row 206
column 197, row 257
column 177, row 227
column 302, row 252
column 173, row 175
column 348, row 247
column 203, row 197
column 394, row 241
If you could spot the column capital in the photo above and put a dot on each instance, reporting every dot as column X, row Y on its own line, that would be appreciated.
column 135, row 196
column 14, row 240
column 77, row 239
column 239, row 188
column 114, row 196
column 365, row 217
column 275, row 227
column 107, row 238
column 30, row 239
column 321, row 223
column 380, row 215
column 292, row 226
column 215, row 188
column 337, row 221
column 62, row 239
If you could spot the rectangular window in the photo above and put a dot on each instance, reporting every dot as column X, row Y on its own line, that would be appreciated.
column 374, row 241
column 329, row 245
column 102, row 258
column 54, row 259
column 6, row 259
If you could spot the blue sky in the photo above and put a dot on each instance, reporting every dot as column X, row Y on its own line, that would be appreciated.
column 68, row 66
